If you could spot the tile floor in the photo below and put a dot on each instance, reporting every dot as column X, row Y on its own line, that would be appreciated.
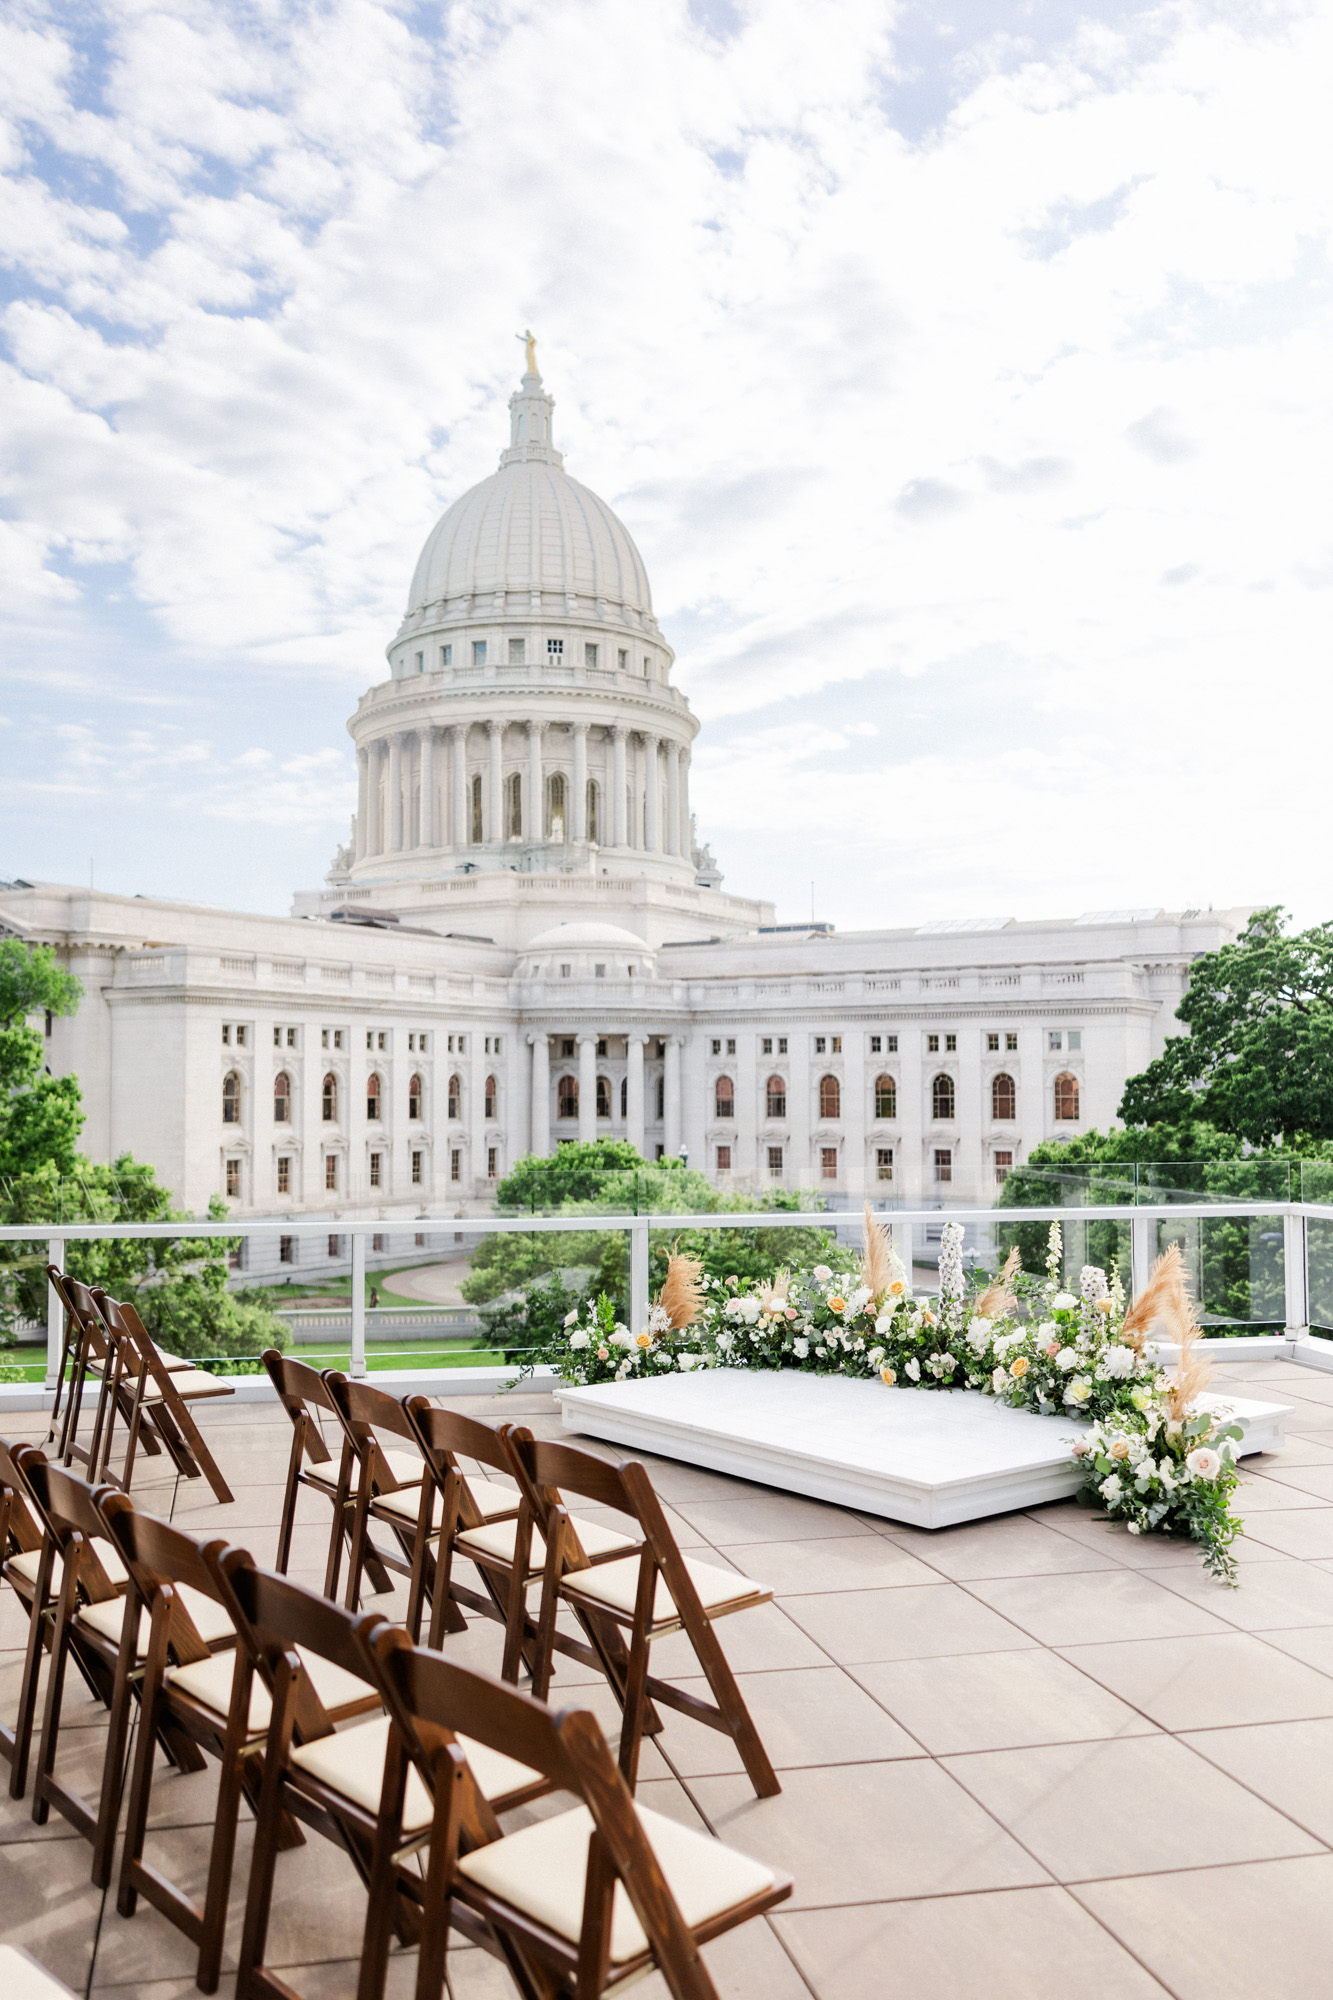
column 1031, row 1757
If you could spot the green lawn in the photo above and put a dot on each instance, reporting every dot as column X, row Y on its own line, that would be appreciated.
column 30, row 1360
column 338, row 1292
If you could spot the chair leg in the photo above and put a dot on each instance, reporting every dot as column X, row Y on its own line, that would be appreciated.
column 208, row 1465
column 731, row 1702
column 40, row 1620
column 55, row 1689
column 360, row 1530
column 104, row 1841
column 220, row 1863
column 259, row 1897
column 635, row 1703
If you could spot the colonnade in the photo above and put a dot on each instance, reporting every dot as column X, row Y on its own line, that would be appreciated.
column 408, row 798
column 586, row 1069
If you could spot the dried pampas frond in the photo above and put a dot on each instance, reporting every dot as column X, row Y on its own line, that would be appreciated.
column 682, row 1295
column 1164, row 1290
column 1193, row 1368
column 773, row 1295
column 877, row 1258
column 1000, row 1298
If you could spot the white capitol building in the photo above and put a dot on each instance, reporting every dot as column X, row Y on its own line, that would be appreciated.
column 524, row 942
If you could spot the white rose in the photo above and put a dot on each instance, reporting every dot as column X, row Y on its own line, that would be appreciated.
column 571, row 1317
column 1116, row 1363
column 875, row 1356
column 1203, row 1463
column 622, row 1371
column 884, row 1324
column 1079, row 1390
column 734, row 1308
column 999, row 1381
column 1067, row 1358
column 1048, row 1331
column 579, row 1339
column 1064, row 1302
column 1141, row 1399
column 1110, row 1488
column 622, row 1337
column 913, row 1371
column 687, row 1361
column 801, row 1349
column 821, row 1272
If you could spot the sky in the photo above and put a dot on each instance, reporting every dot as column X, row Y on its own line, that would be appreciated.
column 963, row 371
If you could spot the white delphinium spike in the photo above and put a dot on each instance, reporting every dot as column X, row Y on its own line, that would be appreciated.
column 952, row 1281
column 1055, row 1257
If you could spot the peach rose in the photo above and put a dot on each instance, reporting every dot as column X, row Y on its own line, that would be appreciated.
column 1020, row 1367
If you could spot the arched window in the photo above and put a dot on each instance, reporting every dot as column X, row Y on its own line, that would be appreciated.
column 886, row 1097
column 492, row 1092
column 941, row 1099
column 830, row 1097
column 603, row 1097
column 624, row 1097
column 567, row 1097
column 329, row 1098
column 455, row 1096
column 373, row 1094
column 282, row 1098
column 477, row 833
column 514, row 805
column 1066, row 1095
column 724, row 1098
column 594, row 823
column 231, row 1098
column 661, row 1097
column 776, row 1094
column 555, row 806
column 415, row 1092
column 1004, row 1097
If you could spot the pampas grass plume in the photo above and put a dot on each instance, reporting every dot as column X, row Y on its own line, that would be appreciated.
column 682, row 1294
column 999, row 1298
column 876, row 1257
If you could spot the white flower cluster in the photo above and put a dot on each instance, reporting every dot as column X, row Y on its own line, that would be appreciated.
column 952, row 1281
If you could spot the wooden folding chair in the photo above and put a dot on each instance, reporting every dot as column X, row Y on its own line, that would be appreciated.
column 164, row 1395
column 20, row 1565
column 581, row 1903
column 488, row 1541
column 303, row 1393
column 92, row 1357
column 211, row 1698
column 391, row 1485
column 649, row 1594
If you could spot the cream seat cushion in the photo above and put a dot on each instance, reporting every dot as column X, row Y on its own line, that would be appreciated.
column 352, row 1762
column 21, row 1978
column 27, row 1562
column 406, row 1466
column 191, row 1384
column 490, row 1498
column 209, row 1619
column 498, row 1538
column 209, row 1683
column 617, row 1584
column 541, row 1871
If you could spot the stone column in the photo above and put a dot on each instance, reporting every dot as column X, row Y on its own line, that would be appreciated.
column 634, row 1093
column 651, row 839
column 620, row 834
column 375, row 802
column 426, row 827
column 541, row 1094
column 496, row 830
column 587, row 1087
column 686, row 845
column 396, row 792
column 458, row 738
column 578, row 812
column 671, row 1124
column 673, row 798
column 534, row 819
column 362, row 802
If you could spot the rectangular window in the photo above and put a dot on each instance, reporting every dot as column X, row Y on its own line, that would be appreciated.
column 240, row 1036
column 421, row 663
column 226, row 1034
column 782, row 1045
column 891, row 1045
column 284, row 1174
column 1055, row 1039
column 277, row 1038
column 836, row 1045
column 50, row 1023
column 236, row 1259
column 1003, row 1165
column 335, row 1246
column 517, row 652
column 993, row 1044
column 331, row 1173
column 884, row 1163
column 1011, row 1043
column 416, row 1169
column 291, row 1038
column 446, row 656
column 375, row 1162
column 456, row 1164
column 599, row 972
column 1075, row 1041
column 828, row 1163
column 647, row 668
column 567, row 1045
column 555, row 652
column 716, row 1048
column 286, row 1249
column 462, row 1045
column 378, row 1243
column 724, row 1159
column 767, row 1045
column 876, row 1045
column 933, row 1044
column 775, row 1162
column 492, row 1159
column 820, row 1045
column 233, row 1180
column 589, row 655
column 951, row 1044
column 622, row 658
column 565, row 971
column 943, row 1164
column 478, row 652
column 497, row 1044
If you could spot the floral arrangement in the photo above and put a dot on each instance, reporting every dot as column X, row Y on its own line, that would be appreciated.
column 597, row 1347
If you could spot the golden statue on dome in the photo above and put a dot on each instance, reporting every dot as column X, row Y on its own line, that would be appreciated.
column 529, row 339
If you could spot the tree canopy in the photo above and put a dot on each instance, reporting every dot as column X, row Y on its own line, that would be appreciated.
column 41, row 1116
column 1258, row 1060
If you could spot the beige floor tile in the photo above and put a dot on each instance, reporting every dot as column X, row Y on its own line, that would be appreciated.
column 1132, row 1806
column 998, row 1701
column 1313, row 1644
column 1214, row 1681
column 1305, row 1532
column 753, row 1642
column 855, row 1562
column 868, row 1832
column 49, row 1907
column 810, row 1715
column 1012, row 1545
column 745, row 1964
column 1294, row 1452
column 1271, row 1594
column 1299, row 1476
column 760, row 1515
column 1033, row 1944
column 1220, row 1933
column 1260, row 1494
column 915, row 1622
column 1074, row 1610
column 1286, row 1763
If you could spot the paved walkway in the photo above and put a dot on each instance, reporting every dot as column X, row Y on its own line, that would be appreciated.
column 1031, row 1757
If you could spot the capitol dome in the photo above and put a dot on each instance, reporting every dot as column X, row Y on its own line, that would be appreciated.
column 531, row 531
column 586, row 934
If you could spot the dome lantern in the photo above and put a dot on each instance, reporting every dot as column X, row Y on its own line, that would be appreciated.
column 530, row 408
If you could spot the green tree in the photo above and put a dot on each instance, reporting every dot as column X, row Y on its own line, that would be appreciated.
column 41, row 1116
column 1257, row 1062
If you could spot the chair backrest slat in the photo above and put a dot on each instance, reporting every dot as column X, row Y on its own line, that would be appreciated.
column 445, row 1433
column 365, row 1409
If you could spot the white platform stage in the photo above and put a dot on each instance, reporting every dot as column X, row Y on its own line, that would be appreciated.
column 927, row 1457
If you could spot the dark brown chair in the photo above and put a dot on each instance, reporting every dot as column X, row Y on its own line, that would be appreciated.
column 463, row 1502
column 648, row 1594
column 303, row 1393
column 390, row 1485
column 162, row 1396
column 91, row 1358
column 588, row 1899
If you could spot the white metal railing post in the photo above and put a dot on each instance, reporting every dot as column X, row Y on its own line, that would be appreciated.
column 1294, row 1273
column 1142, row 1251
column 358, row 1369
column 638, row 1274
column 55, row 1314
